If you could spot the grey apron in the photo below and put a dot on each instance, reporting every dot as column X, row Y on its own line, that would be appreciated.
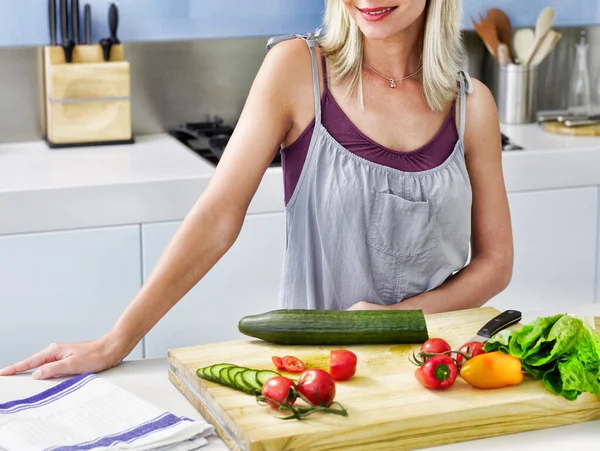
column 361, row 231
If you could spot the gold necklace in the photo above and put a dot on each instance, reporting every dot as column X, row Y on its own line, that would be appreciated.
column 392, row 80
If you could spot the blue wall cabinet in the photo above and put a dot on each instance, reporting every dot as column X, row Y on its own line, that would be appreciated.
column 65, row 286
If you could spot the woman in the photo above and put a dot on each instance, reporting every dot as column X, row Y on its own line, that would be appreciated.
column 392, row 175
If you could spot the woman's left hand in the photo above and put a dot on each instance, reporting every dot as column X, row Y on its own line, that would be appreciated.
column 364, row 305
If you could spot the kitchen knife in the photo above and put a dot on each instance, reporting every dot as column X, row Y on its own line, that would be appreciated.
column 113, row 22
column 75, row 21
column 87, row 19
column 502, row 321
column 52, row 21
column 67, row 43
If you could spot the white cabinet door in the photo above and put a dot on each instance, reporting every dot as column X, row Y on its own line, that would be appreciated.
column 555, row 237
column 245, row 281
column 65, row 286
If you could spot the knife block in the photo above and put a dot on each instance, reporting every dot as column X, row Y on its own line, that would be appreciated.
column 87, row 101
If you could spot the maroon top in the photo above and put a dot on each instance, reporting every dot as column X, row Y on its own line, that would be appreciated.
column 339, row 126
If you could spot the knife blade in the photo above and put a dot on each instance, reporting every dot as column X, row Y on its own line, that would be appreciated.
column 87, row 19
column 495, row 325
column 75, row 21
column 52, row 21
column 67, row 43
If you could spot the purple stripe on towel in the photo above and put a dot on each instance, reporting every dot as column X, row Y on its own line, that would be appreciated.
column 57, row 389
column 163, row 422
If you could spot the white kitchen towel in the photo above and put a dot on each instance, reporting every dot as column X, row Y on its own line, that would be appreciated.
column 90, row 413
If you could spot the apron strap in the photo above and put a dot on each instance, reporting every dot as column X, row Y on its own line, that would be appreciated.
column 312, row 43
column 466, row 87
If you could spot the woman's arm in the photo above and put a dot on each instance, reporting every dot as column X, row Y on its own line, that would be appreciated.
column 210, row 228
column 490, row 268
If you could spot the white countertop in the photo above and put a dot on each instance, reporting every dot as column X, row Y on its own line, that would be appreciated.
column 148, row 379
column 159, row 179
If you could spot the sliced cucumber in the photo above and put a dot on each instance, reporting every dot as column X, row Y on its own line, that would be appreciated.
column 249, row 377
column 232, row 371
column 216, row 369
column 242, row 385
column 264, row 376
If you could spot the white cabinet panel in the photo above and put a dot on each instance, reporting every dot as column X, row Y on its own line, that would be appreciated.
column 65, row 286
column 555, row 237
column 245, row 281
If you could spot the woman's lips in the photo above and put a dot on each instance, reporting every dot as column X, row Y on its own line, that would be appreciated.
column 377, row 13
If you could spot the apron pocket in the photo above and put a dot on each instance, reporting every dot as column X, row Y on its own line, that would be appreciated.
column 400, row 227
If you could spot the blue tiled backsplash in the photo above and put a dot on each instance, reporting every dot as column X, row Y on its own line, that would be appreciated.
column 25, row 22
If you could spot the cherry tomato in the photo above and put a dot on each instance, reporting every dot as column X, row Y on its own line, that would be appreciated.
column 278, row 389
column 293, row 364
column 278, row 362
column 342, row 364
column 435, row 346
column 437, row 373
column 318, row 386
column 470, row 350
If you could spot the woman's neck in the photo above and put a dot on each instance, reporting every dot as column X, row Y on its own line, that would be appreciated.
column 397, row 56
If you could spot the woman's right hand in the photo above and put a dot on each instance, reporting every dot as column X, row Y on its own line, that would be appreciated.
column 65, row 359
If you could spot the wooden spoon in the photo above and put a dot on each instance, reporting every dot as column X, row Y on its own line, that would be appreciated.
column 503, row 28
column 523, row 42
column 487, row 32
column 542, row 26
column 547, row 45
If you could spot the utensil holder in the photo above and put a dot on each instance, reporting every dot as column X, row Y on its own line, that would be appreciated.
column 87, row 101
column 517, row 94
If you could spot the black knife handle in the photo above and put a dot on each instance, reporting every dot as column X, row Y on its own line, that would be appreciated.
column 64, row 21
column 52, row 21
column 113, row 22
column 502, row 321
column 87, row 17
column 75, row 21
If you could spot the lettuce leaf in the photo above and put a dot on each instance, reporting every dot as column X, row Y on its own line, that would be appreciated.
column 561, row 350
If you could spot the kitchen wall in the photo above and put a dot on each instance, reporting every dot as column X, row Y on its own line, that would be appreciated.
column 175, row 82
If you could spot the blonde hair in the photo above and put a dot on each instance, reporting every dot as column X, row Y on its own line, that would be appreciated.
column 441, row 55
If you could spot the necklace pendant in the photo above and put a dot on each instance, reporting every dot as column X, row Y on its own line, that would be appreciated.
column 392, row 83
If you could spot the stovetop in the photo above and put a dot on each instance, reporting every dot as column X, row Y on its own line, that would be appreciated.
column 209, row 139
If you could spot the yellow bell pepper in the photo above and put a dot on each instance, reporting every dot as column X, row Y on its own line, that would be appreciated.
column 492, row 370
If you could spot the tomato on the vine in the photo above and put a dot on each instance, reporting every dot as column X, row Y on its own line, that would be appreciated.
column 279, row 389
column 342, row 364
column 470, row 350
column 437, row 373
column 435, row 346
column 318, row 386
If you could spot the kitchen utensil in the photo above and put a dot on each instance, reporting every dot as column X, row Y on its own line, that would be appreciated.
column 562, row 129
column 67, row 43
column 75, row 22
column 551, row 115
column 486, row 30
column 578, row 121
column 387, row 408
column 495, row 325
column 547, row 45
column 542, row 26
column 52, row 21
column 113, row 22
column 517, row 97
column 503, row 29
column 87, row 19
column 523, row 42
column 504, row 54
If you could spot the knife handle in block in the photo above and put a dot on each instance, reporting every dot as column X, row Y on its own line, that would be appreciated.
column 502, row 321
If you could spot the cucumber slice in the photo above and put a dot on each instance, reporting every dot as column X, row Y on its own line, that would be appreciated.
column 204, row 373
column 264, row 376
column 216, row 369
column 249, row 377
column 224, row 375
column 232, row 371
column 242, row 385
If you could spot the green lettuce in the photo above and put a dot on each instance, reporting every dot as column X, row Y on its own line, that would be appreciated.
column 561, row 350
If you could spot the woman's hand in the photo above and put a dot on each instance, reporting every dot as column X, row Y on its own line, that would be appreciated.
column 62, row 359
column 364, row 305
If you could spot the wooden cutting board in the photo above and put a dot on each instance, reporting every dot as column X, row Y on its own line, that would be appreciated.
column 388, row 409
column 561, row 129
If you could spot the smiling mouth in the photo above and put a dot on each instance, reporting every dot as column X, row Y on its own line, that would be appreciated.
column 377, row 13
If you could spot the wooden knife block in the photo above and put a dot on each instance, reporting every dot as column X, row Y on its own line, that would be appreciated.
column 87, row 101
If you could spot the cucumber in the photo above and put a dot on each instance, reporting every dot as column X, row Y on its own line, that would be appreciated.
column 215, row 371
column 264, row 376
column 336, row 327
column 232, row 371
column 249, row 377
column 241, row 384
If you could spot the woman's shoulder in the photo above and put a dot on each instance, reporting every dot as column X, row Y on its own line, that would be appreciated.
column 291, row 60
